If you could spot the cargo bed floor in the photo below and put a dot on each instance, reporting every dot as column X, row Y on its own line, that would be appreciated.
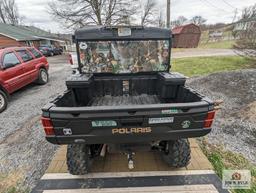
column 125, row 100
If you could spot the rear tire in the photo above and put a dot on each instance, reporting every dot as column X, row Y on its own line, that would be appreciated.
column 178, row 153
column 43, row 76
column 78, row 159
column 3, row 101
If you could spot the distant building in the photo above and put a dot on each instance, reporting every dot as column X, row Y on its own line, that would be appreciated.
column 186, row 36
column 12, row 35
column 215, row 34
column 241, row 27
column 244, row 24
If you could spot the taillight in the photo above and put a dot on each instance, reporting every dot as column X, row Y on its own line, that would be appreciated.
column 70, row 59
column 209, row 119
column 48, row 127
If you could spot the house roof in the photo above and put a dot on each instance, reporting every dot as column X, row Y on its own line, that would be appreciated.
column 26, row 33
column 179, row 29
column 16, row 32
column 252, row 19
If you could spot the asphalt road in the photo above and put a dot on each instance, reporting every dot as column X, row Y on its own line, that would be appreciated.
column 186, row 53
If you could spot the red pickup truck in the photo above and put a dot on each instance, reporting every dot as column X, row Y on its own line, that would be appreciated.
column 20, row 66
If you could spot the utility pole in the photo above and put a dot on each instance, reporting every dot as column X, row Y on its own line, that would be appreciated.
column 234, row 18
column 168, row 11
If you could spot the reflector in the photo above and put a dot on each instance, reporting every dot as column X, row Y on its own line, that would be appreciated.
column 70, row 59
column 210, row 115
column 48, row 127
column 49, row 131
column 209, row 119
column 208, row 123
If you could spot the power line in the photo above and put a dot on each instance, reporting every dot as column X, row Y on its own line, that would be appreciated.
column 212, row 5
column 234, row 18
column 229, row 4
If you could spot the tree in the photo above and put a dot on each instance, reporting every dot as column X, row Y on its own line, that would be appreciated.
column 148, row 13
column 198, row 20
column 79, row 13
column 247, row 42
column 160, row 20
column 9, row 12
column 181, row 20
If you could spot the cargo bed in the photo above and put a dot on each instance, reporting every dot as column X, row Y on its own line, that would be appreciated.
column 109, row 100
column 125, row 90
column 147, row 107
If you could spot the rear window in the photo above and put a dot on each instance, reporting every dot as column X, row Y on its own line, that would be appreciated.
column 10, row 60
column 35, row 53
column 25, row 55
column 124, row 56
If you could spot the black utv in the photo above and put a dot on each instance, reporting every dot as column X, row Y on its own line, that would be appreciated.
column 125, row 99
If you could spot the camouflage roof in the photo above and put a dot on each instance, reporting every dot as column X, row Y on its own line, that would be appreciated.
column 111, row 33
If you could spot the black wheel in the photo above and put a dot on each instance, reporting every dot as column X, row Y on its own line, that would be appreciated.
column 3, row 101
column 51, row 54
column 177, row 153
column 43, row 76
column 78, row 159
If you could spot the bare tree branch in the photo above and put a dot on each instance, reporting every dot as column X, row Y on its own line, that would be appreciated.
column 9, row 12
column 198, row 20
column 78, row 13
column 247, row 32
column 181, row 20
column 149, row 10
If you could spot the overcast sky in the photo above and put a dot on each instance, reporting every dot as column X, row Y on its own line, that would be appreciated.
column 35, row 11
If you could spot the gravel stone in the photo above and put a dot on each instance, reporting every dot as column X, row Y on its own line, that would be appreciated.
column 23, row 146
column 235, row 124
column 22, row 140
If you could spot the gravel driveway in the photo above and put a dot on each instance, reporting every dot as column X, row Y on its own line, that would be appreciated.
column 235, row 125
column 23, row 147
column 25, row 153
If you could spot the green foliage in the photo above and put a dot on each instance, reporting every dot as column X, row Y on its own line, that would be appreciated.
column 216, row 160
column 15, row 190
column 222, row 159
column 227, row 44
column 206, row 65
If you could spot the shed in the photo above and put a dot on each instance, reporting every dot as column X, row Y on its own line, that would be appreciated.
column 186, row 36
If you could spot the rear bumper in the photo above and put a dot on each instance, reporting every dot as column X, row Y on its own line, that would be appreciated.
column 128, row 138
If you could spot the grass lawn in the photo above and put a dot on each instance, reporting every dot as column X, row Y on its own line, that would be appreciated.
column 206, row 65
column 222, row 159
column 214, row 45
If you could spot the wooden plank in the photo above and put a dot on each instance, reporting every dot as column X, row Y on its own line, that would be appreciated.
column 61, row 176
column 163, row 189
column 58, row 166
column 51, row 167
column 143, row 161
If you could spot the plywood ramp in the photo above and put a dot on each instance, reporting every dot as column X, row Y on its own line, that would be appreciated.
column 150, row 175
column 144, row 161
column 163, row 189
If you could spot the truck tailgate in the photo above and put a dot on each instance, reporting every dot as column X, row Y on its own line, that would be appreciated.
column 128, row 123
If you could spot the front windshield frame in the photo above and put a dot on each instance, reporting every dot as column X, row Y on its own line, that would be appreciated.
column 80, row 65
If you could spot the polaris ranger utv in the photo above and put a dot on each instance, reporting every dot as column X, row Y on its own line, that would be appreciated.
column 125, row 99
